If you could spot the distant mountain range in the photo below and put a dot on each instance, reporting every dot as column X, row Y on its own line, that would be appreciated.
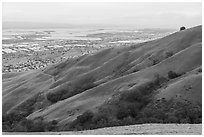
column 37, row 25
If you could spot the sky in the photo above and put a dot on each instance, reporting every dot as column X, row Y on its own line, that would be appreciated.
column 140, row 15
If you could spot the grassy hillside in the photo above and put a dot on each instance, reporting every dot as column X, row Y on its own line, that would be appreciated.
column 126, row 81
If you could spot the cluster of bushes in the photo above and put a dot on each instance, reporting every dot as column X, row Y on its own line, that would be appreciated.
column 163, row 112
column 73, row 89
column 143, row 91
column 172, row 74
column 36, row 102
column 16, row 120
column 90, row 120
column 18, row 123
column 137, row 107
column 132, row 102
column 171, row 111
column 127, row 108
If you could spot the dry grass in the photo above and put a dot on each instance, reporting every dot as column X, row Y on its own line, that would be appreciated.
column 144, row 129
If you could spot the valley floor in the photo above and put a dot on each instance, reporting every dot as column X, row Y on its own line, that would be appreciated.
column 159, row 129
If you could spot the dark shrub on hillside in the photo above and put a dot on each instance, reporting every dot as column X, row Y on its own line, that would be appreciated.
column 12, row 117
column 171, row 111
column 54, row 97
column 200, row 70
column 89, row 120
column 172, row 74
column 74, row 88
column 18, row 123
column 100, row 120
column 122, row 111
column 127, row 121
column 9, row 121
column 128, row 110
column 82, row 122
column 79, row 87
column 54, row 122
column 154, row 62
column 137, row 99
column 85, row 117
column 169, row 54
column 144, row 91
column 84, row 84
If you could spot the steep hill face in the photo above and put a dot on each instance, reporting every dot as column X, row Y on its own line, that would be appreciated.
column 66, row 90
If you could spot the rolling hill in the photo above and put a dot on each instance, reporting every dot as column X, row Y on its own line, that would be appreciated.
column 143, row 74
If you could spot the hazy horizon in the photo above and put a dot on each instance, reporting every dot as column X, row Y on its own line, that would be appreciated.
column 138, row 15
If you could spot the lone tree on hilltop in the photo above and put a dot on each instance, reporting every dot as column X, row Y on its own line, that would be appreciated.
column 182, row 28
